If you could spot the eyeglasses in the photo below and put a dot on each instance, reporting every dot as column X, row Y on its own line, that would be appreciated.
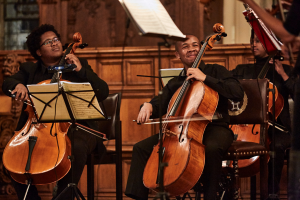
column 50, row 42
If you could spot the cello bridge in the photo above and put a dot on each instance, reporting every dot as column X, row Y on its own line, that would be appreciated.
column 169, row 133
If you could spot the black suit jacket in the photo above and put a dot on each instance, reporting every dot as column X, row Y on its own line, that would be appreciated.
column 33, row 73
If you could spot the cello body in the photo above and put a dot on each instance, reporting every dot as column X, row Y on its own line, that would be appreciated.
column 48, row 163
column 184, row 151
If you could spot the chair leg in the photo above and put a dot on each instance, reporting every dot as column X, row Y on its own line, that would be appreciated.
column 90, row 177
column 253, row 187
column 119, row 181
column 235, row 180
column 197, row 196
column 263, row 177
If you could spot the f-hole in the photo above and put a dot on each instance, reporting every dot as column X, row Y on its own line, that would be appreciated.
column 180, row 135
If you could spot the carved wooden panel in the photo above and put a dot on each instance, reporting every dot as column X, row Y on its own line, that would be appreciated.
column 129, row 111
column 139, row 67
column 104, row 23
column 111, row 72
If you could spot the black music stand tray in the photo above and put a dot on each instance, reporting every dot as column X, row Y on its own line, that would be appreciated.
column 73, row 126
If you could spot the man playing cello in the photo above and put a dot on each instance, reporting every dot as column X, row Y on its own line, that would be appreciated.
column 217, row 136
column 45, row 46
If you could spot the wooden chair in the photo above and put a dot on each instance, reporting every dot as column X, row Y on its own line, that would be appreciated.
column 112, row 129
column 255, row 113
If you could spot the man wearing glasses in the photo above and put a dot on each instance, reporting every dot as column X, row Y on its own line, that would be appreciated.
column 45, row 46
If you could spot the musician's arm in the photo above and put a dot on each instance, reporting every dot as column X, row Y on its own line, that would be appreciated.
column 225, row 84
column 271, row 22
column 293, row 19
column 21, row 77
column 167, row 93
column 289, row 83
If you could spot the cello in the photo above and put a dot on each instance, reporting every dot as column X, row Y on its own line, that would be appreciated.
column 34, row 155
column 182, row 141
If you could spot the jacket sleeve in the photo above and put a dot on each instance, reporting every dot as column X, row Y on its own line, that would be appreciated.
column 225, row 84
column 99, row 85
column 290, row 82
column 167, row 93
column 164, row 100
column 21, row 76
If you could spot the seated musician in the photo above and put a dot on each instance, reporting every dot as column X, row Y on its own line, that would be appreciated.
column 45, row 46
column 217, row 136
column 285, row 85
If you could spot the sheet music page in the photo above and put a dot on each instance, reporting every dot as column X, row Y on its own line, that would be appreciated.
column 151, row 17
column 79, row 107
column 268, row 34
column 58, row 109
column 165, row 19
column 169, row 72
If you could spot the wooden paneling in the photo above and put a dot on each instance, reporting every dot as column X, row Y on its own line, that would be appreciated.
column 139, row 67
column 111, row 72
column 121, row 75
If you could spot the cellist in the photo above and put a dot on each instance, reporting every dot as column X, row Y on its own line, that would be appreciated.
column 217, row 136
column 285, row 84
column 45, row 46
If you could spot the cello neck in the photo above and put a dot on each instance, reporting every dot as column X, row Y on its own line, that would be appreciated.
column 200, row 55
column 56, row 76
column 186, row 83
column 262, row 74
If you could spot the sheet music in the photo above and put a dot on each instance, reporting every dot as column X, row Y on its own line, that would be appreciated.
column 169, row 72
column 80, row 108
column 266, row 36
column 271, row 35
column 50, row 113
column 58, row 109
column 151, row 17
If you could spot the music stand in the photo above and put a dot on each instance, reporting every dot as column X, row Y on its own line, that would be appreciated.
column 66, row 95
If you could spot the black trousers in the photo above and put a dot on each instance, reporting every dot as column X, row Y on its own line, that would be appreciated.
column 217, row 139
column 84, row 144
column 281, row 142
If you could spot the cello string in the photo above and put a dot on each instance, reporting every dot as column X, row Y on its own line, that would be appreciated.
column 185, row 85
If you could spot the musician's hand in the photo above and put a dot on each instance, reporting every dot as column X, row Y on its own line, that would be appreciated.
column 279, row 68
column 145, row 113
column 20, row 92
column 196, row 74
column 72, row 59
column 295, row 44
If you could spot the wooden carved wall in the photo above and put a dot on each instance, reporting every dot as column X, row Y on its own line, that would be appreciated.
column 120, row 74
column 102, row 23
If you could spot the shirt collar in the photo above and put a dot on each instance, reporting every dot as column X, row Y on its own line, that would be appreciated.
column 43, row 67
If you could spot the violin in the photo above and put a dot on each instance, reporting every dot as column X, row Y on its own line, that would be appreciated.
column 37, row 154
column 182, row 140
